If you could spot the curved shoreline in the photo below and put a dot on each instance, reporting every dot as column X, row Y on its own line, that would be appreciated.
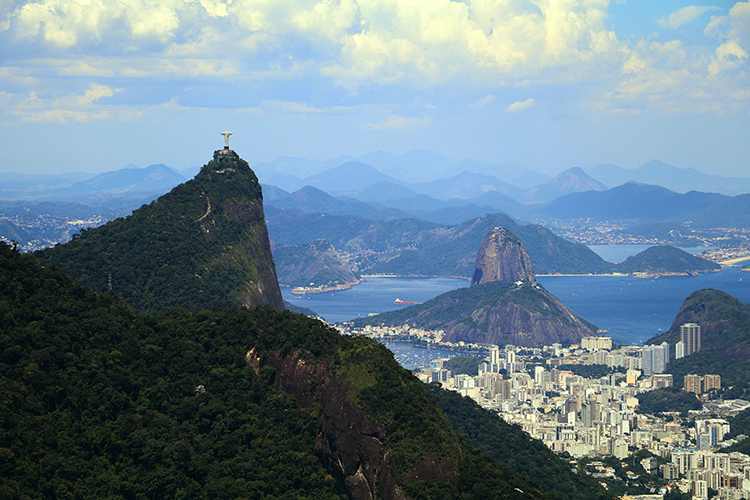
column 346, row 286
column 305, row 290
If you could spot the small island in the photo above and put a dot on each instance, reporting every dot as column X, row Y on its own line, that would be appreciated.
column 660, row 261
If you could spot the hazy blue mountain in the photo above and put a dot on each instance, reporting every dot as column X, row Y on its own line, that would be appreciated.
column 348, row 177
column 465, row 185
column 674, row 178
column 383, row 192
column 456, row 215
column 13, row 184
column 313, row 200
column 423, row 203
column 299, row 167
column 154, row 178
column 415, row 166
column 632, row 200
column 573, row 180
column 504, row 204
column 271, row 193
column 528, row 179
column 11, row 232
column 190, row 172
column 286, row 182
column 726, row 212
column 455, row 211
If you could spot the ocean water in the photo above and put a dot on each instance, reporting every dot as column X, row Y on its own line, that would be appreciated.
column 631, row 309
column 634, row 310
column 374, row 296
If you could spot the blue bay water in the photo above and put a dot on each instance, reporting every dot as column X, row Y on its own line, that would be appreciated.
column 375, row 295
column 631, row 309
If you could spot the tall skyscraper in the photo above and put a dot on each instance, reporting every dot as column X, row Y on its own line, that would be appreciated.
column 647, row 361
column 690, row 335
column 654, row 359
column 679, row 350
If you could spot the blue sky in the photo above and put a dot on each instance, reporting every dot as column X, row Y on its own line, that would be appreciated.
column 94, row 85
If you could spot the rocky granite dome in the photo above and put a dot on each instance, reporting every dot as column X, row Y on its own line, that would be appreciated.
column 503, row 305
column 502, row 257
column 202, row 245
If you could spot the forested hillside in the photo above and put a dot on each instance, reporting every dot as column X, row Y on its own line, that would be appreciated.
column 202, row 245
column 725, row 340
column 99, row 401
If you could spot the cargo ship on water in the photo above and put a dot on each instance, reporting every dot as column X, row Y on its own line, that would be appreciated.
column 399, row 301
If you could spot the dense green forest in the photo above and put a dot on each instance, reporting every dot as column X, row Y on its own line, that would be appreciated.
column 202, row 245
column 739, row 425
column 725, row 341
column 464, row 364
column 513, row 448
column 99, row 401
column 668, row 399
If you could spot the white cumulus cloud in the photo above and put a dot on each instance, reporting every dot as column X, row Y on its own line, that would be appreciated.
column 484, row 101
column 520, row 105
column 684, row 16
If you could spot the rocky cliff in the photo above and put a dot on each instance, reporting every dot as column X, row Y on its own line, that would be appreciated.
column 503, row 305
column 502, row 257
column 202, row 245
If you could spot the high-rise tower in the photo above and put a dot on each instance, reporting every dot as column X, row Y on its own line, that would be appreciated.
column 690, row 335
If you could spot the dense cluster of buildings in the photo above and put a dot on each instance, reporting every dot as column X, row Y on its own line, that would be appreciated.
column 589, row 416
column 53, row 228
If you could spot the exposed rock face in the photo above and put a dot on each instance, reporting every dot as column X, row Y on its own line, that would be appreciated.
column 503, row 305
column 347, row 442
column 502, row 257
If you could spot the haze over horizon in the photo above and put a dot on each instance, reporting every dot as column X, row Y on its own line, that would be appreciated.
column 547, row 85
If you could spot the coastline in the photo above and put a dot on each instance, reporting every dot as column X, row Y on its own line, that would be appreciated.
column 300, row 291
column 308, row 290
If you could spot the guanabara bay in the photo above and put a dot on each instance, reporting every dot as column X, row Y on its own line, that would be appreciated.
column 152, row 358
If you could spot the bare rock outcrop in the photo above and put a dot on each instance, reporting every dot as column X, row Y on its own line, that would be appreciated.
column 502, row 257
column 347, row 442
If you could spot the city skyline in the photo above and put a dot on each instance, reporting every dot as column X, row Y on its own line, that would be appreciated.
column 547, row 85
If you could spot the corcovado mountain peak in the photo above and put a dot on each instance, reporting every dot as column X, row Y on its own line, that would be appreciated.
column 202, row 245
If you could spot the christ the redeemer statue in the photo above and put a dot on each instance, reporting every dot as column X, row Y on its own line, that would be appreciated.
column 226, row 135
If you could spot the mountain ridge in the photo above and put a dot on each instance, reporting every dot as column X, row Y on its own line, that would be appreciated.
column 202, row 245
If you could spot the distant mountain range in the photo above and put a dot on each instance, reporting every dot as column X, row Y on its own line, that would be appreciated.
column 674, row 178
column 129, row 182
column 382, row 186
